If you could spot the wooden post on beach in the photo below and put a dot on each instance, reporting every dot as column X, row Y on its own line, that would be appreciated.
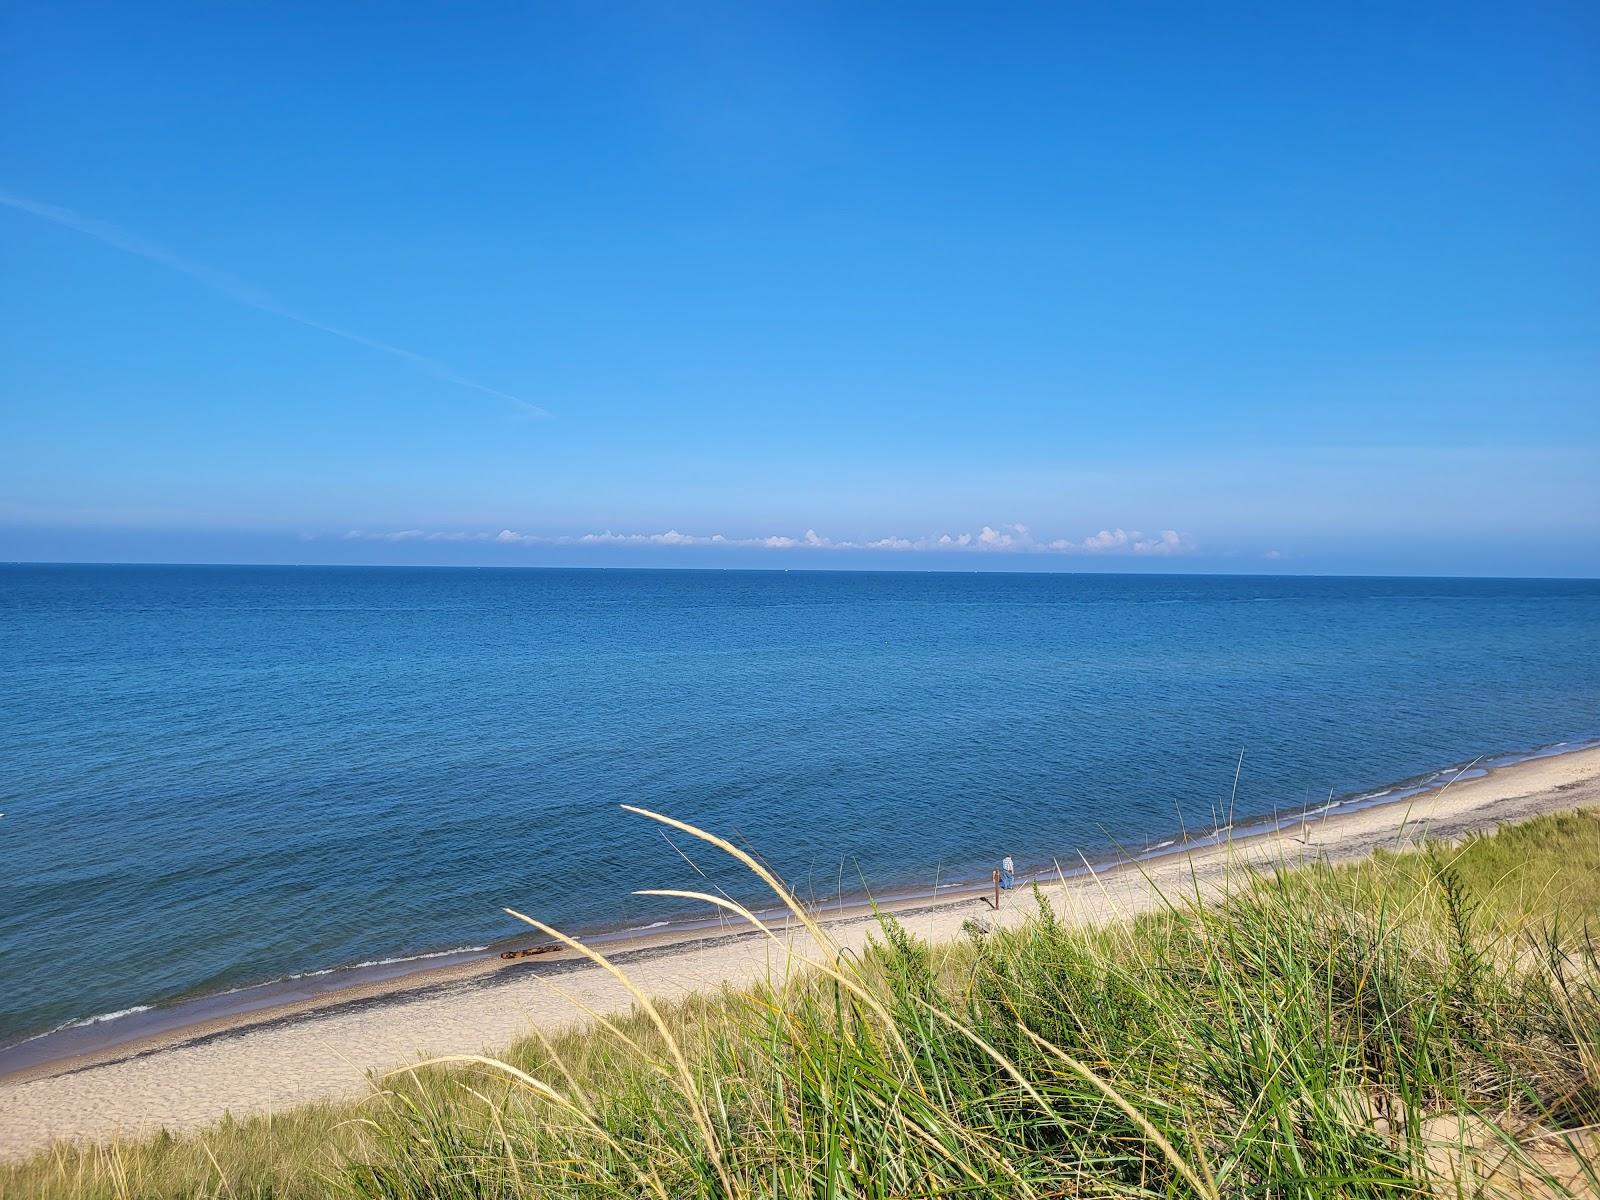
column 997, row 890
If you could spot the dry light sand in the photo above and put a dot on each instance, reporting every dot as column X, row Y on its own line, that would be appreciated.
column 269, row 1061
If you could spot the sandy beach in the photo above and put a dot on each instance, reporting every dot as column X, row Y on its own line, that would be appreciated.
column 269, row 1060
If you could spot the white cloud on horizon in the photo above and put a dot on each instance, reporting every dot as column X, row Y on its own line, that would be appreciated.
column 1007, row 539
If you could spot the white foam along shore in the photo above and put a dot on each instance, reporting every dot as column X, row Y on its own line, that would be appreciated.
column 323, row 1047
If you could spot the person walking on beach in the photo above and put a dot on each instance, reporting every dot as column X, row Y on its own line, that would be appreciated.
column 1008, row 872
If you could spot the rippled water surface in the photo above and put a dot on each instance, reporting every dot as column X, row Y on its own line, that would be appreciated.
column 216, row 776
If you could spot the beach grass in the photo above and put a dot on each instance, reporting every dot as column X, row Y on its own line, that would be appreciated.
column 1424, row 1023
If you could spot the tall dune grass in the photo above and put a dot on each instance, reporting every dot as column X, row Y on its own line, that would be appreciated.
column 1424, row 1024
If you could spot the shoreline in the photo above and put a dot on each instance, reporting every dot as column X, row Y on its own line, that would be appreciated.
column 321, row 1047
column 107, row 1037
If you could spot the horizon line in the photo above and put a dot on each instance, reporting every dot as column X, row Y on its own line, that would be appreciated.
column 416, row 566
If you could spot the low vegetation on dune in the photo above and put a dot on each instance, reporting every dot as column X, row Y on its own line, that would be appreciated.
column 1425, row 1023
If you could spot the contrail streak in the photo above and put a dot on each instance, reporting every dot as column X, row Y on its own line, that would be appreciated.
column 241, row 292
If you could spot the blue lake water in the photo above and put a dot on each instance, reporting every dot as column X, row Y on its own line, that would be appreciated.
column 215, row 776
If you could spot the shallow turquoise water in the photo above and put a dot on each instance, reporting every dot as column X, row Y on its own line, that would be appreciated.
column 216, row 776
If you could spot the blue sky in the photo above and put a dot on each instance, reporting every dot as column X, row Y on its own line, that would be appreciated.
column 1219, row 287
